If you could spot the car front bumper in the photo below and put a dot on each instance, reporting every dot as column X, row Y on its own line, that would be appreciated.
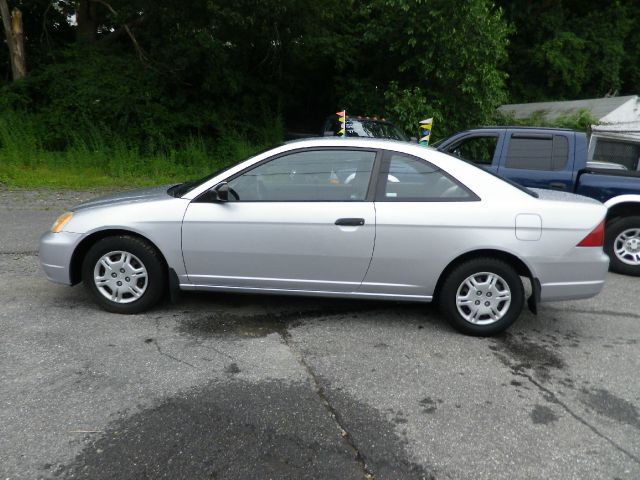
column 56, row 250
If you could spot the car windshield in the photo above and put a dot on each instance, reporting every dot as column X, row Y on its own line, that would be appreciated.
column 182, row 188
column 362, row 127
column 371, row 128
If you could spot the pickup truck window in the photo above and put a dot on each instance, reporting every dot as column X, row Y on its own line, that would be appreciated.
column 623, row 153
column 478, row 149
column 539, row 152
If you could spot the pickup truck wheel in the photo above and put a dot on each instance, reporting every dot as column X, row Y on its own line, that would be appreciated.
column 482, row 297
column 622, row 244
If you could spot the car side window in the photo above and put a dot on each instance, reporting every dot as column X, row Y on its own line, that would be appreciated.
column 307, row 176
column 549, row 152
column 479, row 150
column 409, row 179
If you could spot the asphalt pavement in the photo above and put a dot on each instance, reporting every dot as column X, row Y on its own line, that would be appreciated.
column 222, row 386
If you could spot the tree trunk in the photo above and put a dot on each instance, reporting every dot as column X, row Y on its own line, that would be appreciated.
column 15, row 40
column 87, row 22
column 6, row 22
column 19, row 55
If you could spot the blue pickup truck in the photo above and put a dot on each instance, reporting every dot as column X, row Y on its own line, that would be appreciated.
column 557, row 159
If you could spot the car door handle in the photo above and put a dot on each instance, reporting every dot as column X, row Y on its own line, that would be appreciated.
column 557, row 185
column 353, row 222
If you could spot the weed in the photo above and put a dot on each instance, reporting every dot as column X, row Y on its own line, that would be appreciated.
column 97, row 159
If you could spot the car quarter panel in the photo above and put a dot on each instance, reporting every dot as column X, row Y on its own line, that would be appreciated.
column 415, row 242
column 565, row 270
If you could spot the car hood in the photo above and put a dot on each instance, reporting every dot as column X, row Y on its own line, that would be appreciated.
column 557, row 196
column 129, row 196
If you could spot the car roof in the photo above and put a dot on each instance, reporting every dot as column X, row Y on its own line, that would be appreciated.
column 517, row 127
column 362, row 142
column 361, row 118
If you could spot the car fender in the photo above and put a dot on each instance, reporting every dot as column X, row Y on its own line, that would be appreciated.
column 169, row 249
column 622, row 199
column 487, row 250
column 158, row 222
column 622, row 206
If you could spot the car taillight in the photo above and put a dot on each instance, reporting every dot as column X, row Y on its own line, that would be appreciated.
column 595, row 238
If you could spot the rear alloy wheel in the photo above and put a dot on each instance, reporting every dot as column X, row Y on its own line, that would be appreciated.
column 482, row 297
column 125, row 274
column 622, row 244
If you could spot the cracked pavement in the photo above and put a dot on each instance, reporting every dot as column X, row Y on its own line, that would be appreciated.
column 232, row 386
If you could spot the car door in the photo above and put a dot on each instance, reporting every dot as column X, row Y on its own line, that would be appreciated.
column 298, row 221
column 421, row 213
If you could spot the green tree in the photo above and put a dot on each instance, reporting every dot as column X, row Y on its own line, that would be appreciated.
column 412, row 59
column 569, row 49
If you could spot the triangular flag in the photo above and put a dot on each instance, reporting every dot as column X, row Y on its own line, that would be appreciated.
column 340, row 114
column 341, row 132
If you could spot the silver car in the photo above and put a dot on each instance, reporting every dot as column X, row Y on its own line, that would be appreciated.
column 357, row 218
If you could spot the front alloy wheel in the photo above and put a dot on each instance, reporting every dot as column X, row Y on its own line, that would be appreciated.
column 120, row 277
column 482, row 297
column 124, row 273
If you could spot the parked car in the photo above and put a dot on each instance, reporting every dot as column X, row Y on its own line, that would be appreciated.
column 557, row 159
column 284, row 222
column 359, row 126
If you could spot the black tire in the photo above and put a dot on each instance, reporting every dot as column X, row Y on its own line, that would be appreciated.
column 611, row 233
column 152, row 286
column 507, row 312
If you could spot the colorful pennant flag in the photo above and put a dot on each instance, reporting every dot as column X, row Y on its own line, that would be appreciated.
column 342, row 118
column 425, row 127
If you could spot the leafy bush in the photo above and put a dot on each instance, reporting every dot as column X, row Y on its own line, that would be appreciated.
column 90, row 90
column 581, row 120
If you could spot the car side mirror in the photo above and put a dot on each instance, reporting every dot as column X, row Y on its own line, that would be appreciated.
column 217, row 194
column 221, row 192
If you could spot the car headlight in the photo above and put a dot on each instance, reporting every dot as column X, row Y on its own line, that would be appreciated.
column 61, row 222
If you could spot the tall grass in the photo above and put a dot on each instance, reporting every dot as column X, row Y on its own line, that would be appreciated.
column 94, row 159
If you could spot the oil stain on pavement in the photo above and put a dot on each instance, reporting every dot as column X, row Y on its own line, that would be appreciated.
column 253, row 326
column 240, row 430
column 543, row 415
column 260, row 324
column 609, row 405
column 519, row 353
